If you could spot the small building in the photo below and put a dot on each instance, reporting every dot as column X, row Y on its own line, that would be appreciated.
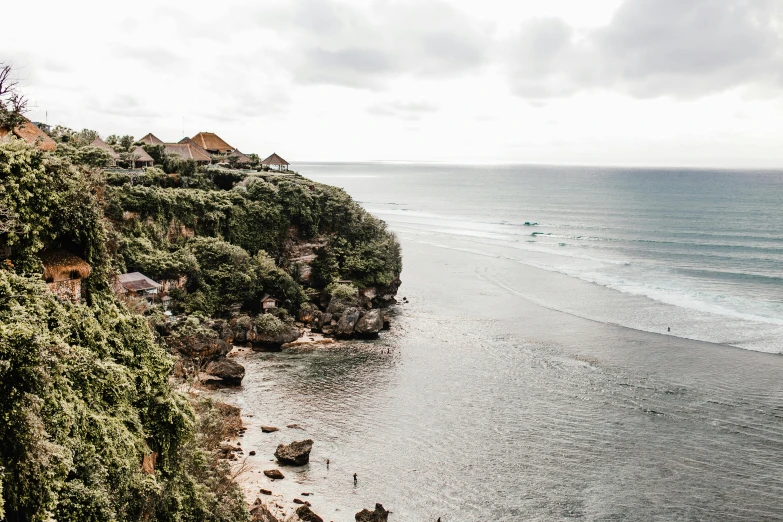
column 151, row 139
column 136, row 283
column 31, row 134
column 241, row 159
column 197, row 147
column 140, row 159
column 186, row 151
column 99, row 143
column 63, row 273
column 275, row 161
column 268, row 302
column 212, row 143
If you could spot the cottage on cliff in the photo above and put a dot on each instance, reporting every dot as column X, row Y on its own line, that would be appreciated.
column 136, row 283
column 31, row 134
column 275, row 161
column 212, row 143
column 99, row 143
column 63, row 273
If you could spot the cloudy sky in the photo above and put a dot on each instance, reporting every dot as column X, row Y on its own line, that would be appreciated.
column 612, row 82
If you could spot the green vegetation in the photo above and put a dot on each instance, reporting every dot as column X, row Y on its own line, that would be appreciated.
column 85, row 386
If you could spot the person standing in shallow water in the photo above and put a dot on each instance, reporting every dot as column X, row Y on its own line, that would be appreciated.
column 355, row 481
column 327, row 463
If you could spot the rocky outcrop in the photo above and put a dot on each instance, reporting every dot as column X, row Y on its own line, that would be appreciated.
column 295, row 454
column 274, row 474
column 306, row 515
column 384, row 296
column 264, row 332
column 379, row 515
column 269, row 429
column 228, row 371
column 198, row 342
column 261, row 513
column 347, row 322
column 370, row 323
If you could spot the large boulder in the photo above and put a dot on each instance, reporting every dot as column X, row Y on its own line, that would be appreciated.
column 274, row 474
column 261, row 513
column 306, row 515
column 227, row 370
column 370, row 323
column 269, row 332
column 384, row 295
column 347, row 322
column 198, row 341
column 295, row 454
column 379, row 515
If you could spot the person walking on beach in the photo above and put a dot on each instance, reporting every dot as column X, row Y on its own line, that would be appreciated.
column 355, row 481
column 668, row 328
column 327, row 463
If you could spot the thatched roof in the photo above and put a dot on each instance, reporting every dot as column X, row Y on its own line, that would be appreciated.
column 211, row 142
column 98, row 142
column 60, row 265
column 274, row 159
column 241, row 158
column 136, row 282
column 32, row 135
column 151, row 139
column 187, row 151
column 139, row 154
column 195, row 146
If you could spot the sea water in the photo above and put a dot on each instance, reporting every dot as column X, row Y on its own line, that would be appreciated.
column 598, row 344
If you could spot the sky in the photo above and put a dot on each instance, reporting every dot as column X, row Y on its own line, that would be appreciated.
column 604, row 82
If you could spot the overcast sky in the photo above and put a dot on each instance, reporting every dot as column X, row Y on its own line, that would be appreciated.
column 612, row 82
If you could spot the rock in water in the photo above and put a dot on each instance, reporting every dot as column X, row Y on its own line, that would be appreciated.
column 306, row 514
column 261, row 513
column 379, row 515
column 229, row 371
column 295, row 454
column 347, row 322
column 269, row 429
column 274, row 474
column 370, row 323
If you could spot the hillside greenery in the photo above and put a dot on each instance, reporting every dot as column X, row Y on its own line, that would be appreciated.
column 86, row 385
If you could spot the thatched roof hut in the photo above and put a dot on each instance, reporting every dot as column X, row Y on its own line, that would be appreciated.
column 141, row 158
column 99, row 143
column 212, row 143
column 241, row 158
column 275, row 161
column 196, row 146
column 31, row 134
column 151, row 139
column 187, row 152
column 61, row 265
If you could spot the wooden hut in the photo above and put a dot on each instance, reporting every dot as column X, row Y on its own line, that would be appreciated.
column 99, row 143
column 268, row 302
column 140, row 158
column 136, row 283
column 31, row 134
column 187, row 151
column 212, row 143
column 63, row 273
column 241, row 159
column 151, row 139
column 275, row 161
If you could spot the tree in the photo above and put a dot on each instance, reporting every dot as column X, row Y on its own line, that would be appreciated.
column 13, row 105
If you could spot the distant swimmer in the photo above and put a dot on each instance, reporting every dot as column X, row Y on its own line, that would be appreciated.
column 355, row 481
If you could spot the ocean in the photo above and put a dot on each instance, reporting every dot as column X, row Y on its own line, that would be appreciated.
column 578, row 342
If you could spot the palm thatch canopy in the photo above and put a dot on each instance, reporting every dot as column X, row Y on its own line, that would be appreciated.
column 187, row 152
column 211, row 142
column 31, row 134
column 241, row 158
column 98, row 142
column 151, row 139
column 275, row 161
column 195, row 146
column 140, row 155
column 61, row 265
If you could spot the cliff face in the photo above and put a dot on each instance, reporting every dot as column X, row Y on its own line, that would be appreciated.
column 314, row 235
